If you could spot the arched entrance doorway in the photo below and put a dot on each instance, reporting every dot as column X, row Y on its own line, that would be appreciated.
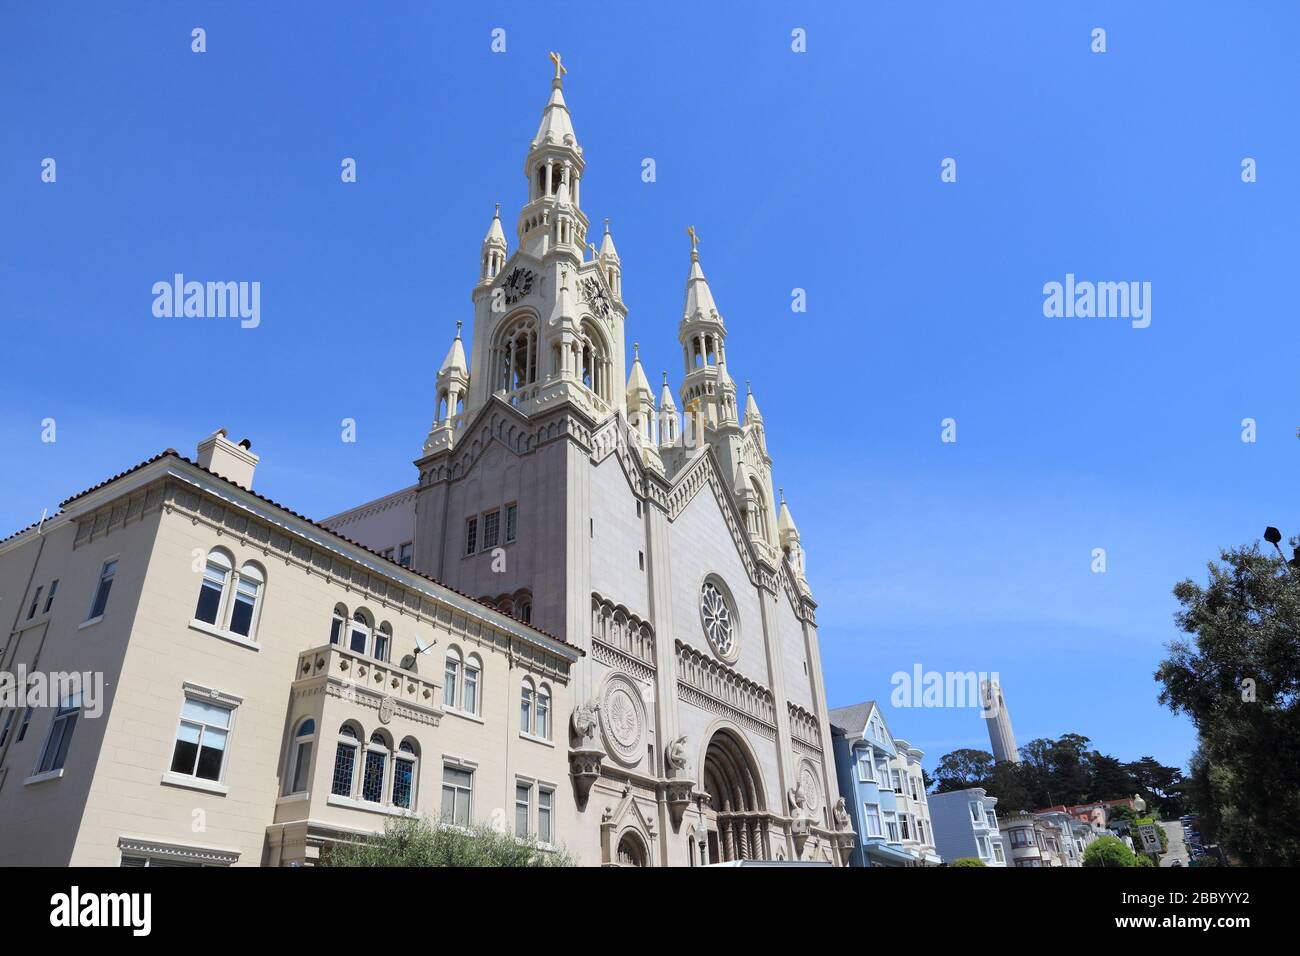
column 631, row 851
column 737, row 815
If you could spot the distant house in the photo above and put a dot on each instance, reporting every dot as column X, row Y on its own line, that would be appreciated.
column 966, row 825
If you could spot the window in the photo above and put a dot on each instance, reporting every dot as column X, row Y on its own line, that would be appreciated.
column 491, row 528
column 216, row 575
column 898, row 781
column 997, row 851
column 457, row 794
column 404, row 553
column 976, row 812
column 526, row 612
column 337, row 624
column 404, row 775
column 471, row 535
column 7, row 724
column 60, row 738
column 882, row 772
column 49, row 598
column 905, row 825
column 372, row 776
column 865, row 773
column 22, row 727
column 891, row 825
column 359, row 636
column 451, row 678
column 718, row 619
column 383, row 641
column 469, row 699
column 914, row 788
column 545, row 798
column 920, row 829
column 242, row 615
column 100, row 602
column 526, row 707
column 872, row 819
column 201, row 739
column 512, row 522
column 983, row 844
column 542, row 717
column 345, row 761
column 36, row 601
column 523, row 808
column 300, row 757
column 991, row 817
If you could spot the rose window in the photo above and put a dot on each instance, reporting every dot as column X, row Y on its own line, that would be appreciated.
column 718, row 624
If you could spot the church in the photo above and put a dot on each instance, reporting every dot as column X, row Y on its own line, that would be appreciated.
column 554, row 485
column 585, row 623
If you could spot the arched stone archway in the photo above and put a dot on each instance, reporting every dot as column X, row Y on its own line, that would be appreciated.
column 632, row 850
column 737, row 817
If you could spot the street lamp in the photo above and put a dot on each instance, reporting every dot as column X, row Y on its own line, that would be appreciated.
column 1274, row 537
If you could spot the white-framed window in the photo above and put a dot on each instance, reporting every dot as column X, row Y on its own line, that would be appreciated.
column 491, row 529
column 405, row 551
column 997, row 852
column 383, row 641
column 470, row 695
column 201, row 739
column 338, row 624
column 905, row 825
column 526, row 695
column 915, row 791
column 345, row 760
column 462, row 678
column 99, row 603
column 405, row 774
column 212, row 590
column 866, row 772
column 359, row 632
column 512, row 522
column 471, row 535
column 243, row 612
column 891, row 826
column 897, row 779
column 871, row 819
column 983, row 845
column 523, row 808
column 457, row 793
column 542, row 714
column 882, row 772
column 299, row 772
column 55, row 751
column 991, row 818
column 545, row 814
column 976, row 812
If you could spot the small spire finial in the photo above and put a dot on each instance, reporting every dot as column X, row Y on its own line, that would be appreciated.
column 559, row 67
column 665, row 378
column 782, row 491
column 748, row 390
column 497, row 214
column 607, row 225
column 636, row 351
column 695, row 238
column 458, row 325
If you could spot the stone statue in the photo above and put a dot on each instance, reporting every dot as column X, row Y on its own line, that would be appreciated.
column 584, row 722
column 675, row 755
column 799, row 803
column 842, row 819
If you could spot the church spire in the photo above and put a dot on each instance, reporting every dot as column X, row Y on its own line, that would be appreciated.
column 494, row 248
column 552, row 220
column 708, row 388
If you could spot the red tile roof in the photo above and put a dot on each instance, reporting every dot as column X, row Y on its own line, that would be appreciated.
column 172, row 453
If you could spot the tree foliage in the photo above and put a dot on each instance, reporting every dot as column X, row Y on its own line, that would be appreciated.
column 967, row 861
column 1109, row 851
column 1238, row 678
column 417, row 842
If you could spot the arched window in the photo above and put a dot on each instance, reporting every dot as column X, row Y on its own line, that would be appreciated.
column 451, row 679
column 542, row 717
column 345, row 760
column 338, row 623
column 404, row 774
column 760, row 506
column 383, row 641
column 514, row 353
column 470, row 692
column 359, row 632
column 595, row 362
column 299, row 770
column 243, row 613
column 372, row 775
column 526, row 696
column 212, row 592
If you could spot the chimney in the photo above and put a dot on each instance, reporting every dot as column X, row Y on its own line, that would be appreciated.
column 233, row 462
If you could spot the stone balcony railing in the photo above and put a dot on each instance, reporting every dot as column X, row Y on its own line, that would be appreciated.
column 372, row 683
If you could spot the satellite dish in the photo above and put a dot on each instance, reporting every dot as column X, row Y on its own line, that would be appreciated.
column 409, row 661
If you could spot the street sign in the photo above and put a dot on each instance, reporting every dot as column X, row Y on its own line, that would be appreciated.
column 1150, row 839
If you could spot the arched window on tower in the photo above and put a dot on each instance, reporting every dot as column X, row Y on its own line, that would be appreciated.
column 595, row 361
column 514, row 354
column 760, row 506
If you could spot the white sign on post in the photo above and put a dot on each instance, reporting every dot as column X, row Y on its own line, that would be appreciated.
column 1150, row 839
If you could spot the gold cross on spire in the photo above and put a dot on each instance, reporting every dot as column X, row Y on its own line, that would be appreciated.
column 559, row 67
column 695, row 238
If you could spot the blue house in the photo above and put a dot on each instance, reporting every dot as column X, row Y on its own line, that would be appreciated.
column 863, row 750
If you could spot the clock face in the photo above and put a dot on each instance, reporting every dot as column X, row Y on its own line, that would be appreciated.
column 517, row 285
column 596, row 297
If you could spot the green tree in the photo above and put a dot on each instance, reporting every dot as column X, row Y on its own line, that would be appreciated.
column 1238, row 679
column 416, row 842
column 1108, row 779
column 967, row 861
column 1108, row 851
column 963, row 768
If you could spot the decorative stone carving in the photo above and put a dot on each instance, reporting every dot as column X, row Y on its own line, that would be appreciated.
column 675, row 756
column 586, row 754
column 583, row 723
column 843, row 821
column 387, row 707
column 678, row 795
column 622, row 719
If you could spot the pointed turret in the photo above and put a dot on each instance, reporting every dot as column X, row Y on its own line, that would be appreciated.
column 752, row 414
column 707, row 389
column 640, row 400
column 557, row 125
column 552, row 220
column 789, row 537
column 494, row 249
column 610, row 265
column 669, row 427
column 455, row 360
column 453, row 386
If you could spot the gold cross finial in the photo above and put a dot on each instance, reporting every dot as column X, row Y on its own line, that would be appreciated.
column 559, row 67
column 695, row 238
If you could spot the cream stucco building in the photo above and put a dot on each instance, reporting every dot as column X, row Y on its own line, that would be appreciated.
column 587, row 619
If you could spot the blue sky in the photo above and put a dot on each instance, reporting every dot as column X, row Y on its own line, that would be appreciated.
column 817, row 170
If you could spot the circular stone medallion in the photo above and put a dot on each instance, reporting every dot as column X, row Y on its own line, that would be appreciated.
column 622, row 719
